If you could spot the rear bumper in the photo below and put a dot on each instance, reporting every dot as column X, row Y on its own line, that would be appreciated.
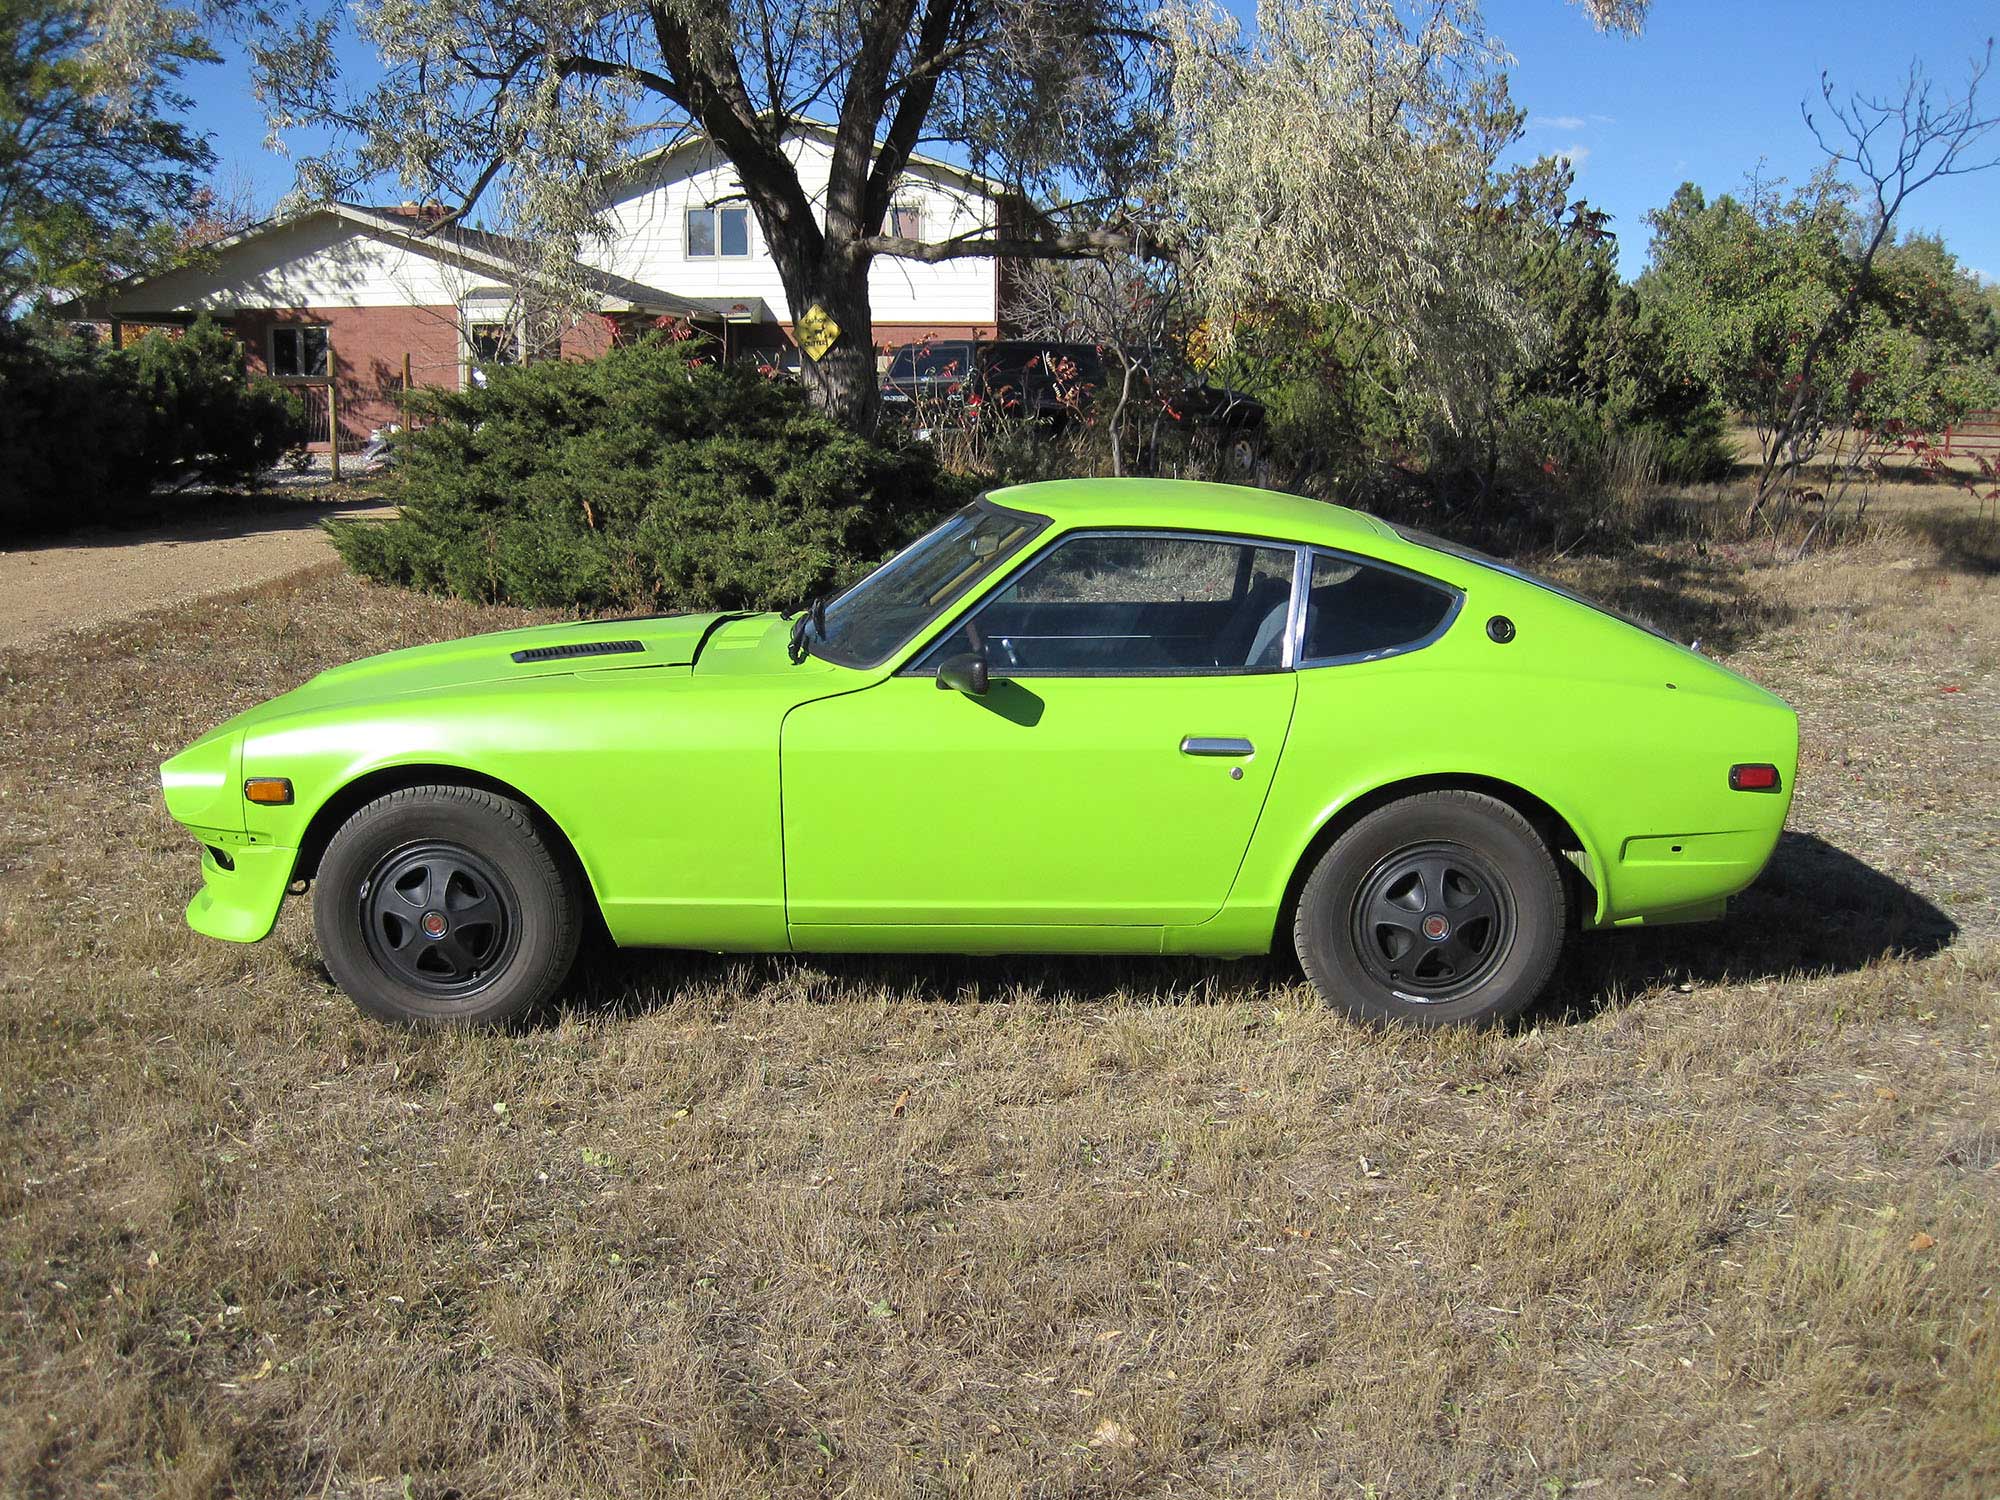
column 1686, row 877
column 240, row 904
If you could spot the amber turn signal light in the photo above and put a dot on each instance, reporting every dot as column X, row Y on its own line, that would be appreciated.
column 1753, row 778
column 272, row 791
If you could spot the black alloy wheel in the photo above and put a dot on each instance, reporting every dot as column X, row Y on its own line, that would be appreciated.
column 1443, row 908
column 439, row 917
column 447, row 905
column 1431, row 921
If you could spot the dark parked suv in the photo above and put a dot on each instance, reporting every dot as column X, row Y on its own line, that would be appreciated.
column 1052, row 382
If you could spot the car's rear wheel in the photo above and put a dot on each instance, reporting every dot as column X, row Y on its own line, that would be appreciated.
column 1446, row 908
column 445, row 904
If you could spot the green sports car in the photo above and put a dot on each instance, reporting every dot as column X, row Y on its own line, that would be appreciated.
column 1095, row 716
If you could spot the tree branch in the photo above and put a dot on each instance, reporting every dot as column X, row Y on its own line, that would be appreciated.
column 912, row 109
column 593, row 67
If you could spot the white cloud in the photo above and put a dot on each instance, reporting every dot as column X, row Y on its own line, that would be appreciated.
column 1576, row 154
column 1556, row 122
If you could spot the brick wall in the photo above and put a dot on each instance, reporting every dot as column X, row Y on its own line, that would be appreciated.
column 586, row 338
column 369, row 345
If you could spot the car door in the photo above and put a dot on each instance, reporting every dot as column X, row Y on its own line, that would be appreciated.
column 1111, row 775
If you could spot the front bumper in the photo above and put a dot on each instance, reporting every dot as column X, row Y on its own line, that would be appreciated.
column 239, row 904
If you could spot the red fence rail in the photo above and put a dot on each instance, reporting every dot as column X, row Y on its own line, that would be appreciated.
column 1979, row 432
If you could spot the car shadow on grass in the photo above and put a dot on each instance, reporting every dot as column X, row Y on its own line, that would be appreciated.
column 635, row 982
column 1816, row 910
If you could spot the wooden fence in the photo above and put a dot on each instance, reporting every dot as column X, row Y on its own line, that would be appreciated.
column 1978, row 433
column 319, row 410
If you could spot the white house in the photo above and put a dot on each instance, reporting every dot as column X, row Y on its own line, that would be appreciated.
column 680, row 223
column 387, row 297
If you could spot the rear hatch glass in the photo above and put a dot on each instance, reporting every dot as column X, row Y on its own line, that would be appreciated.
column 1474, row 555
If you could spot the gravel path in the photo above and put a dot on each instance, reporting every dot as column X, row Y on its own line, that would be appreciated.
column 107, row 576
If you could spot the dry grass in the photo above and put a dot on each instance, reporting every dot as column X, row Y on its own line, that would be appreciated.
column 1726, row 1220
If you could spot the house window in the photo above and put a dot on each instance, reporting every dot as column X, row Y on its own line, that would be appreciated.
column 719, row 229
column 299, row 353
column 494, row 344
column 490, row 344
column 906, row 221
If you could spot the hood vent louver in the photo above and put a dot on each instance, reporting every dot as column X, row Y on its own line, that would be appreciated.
column 581, row 648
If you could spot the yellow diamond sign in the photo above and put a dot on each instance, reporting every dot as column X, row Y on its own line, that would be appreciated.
column 816, row 332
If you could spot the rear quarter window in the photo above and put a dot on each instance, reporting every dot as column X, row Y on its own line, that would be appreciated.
column 1355, row 611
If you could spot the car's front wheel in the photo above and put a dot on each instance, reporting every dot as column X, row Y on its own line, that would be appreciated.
column 1446, row 908
column 445, row 904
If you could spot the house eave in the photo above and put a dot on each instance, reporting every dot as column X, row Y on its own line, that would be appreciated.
column 119, row 302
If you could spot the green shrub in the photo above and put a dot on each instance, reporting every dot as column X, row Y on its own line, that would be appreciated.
column 202, row 418
column 68, row 435
column 639, row 480
column 88, row 434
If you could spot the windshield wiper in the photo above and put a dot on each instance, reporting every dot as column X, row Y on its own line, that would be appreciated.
column 813, row 614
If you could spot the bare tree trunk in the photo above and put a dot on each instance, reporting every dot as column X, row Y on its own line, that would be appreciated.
column 844, row 382
column 1118, row 416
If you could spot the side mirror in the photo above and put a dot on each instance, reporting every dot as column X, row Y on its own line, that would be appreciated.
column 966, row 672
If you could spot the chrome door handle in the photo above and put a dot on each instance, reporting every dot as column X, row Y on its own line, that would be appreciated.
column 1197, row 744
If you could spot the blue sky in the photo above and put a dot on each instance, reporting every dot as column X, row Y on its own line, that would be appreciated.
column 1710, row 89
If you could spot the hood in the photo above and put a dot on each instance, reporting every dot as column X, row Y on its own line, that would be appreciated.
column 568, row 649
column 536, row 651
column 201, row 781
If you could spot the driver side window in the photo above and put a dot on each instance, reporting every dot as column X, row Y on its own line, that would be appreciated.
column 1126, row 605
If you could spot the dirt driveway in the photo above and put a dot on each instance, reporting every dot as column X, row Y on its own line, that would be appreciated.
column 104, row 576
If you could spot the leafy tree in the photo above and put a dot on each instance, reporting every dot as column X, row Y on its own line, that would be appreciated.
column 525, row 107
column 1345, row 155
column 1536, row 417
column 1809, row 319
column 1739, row 285
column 1781, row 297
column 92, row 165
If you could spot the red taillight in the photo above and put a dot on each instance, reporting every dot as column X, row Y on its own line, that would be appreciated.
column 1753, row 778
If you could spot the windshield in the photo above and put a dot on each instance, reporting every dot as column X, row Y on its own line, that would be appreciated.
column 1474, row 555
column 888, row 607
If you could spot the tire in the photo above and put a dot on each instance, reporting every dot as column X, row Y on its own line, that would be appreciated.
column 445, row 905
column 1443, row 909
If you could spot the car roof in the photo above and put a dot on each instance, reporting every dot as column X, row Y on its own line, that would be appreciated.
column 1195, row 505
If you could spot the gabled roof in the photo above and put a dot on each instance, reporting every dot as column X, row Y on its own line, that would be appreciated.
column 648, row 165
column 498, row 255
